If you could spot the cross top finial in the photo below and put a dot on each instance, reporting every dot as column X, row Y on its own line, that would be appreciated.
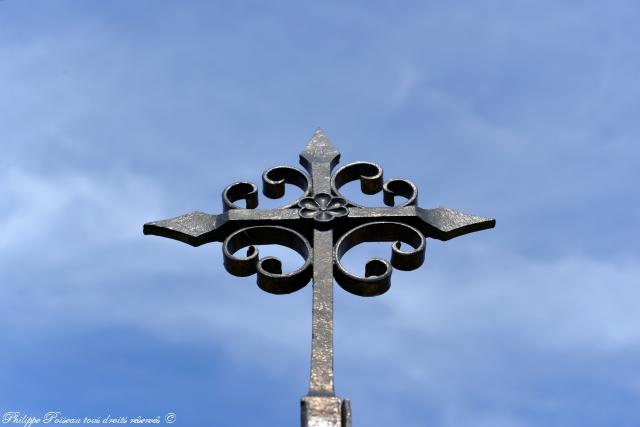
column 319, row 149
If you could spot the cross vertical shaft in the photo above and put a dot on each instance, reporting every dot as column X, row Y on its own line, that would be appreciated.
column 321, row 381
column 321, row 407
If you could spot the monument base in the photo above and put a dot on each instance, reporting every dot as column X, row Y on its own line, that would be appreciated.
column 325, row 411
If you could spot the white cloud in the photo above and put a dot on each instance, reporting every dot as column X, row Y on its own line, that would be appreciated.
column 66, row 210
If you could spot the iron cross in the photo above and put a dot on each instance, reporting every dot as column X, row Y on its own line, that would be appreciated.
column 322, row 225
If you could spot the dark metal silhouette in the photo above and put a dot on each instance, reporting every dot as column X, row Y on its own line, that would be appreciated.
column 321, row 226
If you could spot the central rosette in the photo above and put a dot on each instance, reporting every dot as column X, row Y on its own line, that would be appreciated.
column 322, row 207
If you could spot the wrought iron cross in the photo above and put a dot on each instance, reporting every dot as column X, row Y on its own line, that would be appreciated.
column 322, row 225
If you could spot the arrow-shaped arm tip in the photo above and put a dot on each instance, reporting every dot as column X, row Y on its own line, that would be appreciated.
column 445, row 223
column 195, row 228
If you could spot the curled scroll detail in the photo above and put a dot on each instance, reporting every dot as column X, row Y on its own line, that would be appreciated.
column 269, row 269
column 239, row 191
column 369, row 174
column 274, row 180
column 400, row 187
column 377, row 278
column 371, row 182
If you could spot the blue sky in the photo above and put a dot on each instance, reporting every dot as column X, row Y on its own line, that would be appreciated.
column 113, row 114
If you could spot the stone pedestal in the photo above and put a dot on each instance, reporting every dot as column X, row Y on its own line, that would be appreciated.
column 325, row 411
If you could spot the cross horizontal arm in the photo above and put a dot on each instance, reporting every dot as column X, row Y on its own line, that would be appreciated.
column 198, row 228
column 439, row 223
